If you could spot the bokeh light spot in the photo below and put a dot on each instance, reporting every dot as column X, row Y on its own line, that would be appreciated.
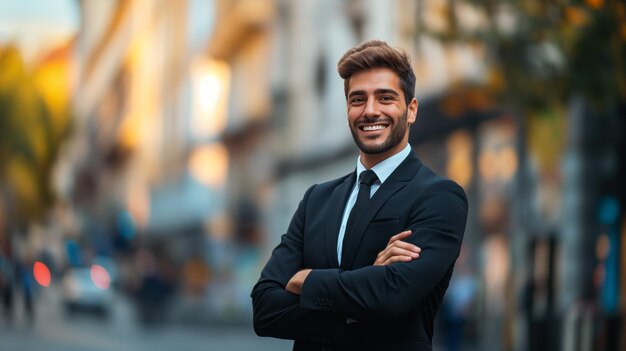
column 100, row 276
column 41, row 273
column 208, row 164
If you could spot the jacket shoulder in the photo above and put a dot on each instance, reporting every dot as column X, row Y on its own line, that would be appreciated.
column 330, row 185
column 427, row 180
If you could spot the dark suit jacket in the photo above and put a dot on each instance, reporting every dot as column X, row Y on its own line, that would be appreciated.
column 395, row 305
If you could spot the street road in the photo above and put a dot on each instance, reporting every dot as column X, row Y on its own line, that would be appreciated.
column 54, row 330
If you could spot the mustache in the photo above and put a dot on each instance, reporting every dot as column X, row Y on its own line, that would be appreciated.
column 372, row 120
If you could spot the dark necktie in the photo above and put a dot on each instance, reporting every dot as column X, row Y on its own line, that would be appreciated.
column 366, row 179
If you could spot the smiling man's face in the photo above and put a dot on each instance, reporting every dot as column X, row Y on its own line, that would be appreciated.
column 378, row 115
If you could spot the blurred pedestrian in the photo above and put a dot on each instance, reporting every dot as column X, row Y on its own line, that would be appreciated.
column 156, row 287
column 7, row 272
column 457, row 310
column 27, row 283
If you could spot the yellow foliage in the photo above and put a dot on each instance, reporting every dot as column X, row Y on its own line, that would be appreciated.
column 35, row 115
column 26, row 113
column 11, row 69
column 21, row 179
column 52, row 83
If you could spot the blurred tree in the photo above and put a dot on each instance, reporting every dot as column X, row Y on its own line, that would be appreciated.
column 542, row 51
column 34, row 121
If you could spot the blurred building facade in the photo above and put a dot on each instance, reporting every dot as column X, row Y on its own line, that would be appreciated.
column 143, row 171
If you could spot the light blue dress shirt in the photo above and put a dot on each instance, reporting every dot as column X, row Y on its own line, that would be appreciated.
column 383, row 170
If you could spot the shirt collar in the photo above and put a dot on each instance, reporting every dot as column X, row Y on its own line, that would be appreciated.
column 384, row 168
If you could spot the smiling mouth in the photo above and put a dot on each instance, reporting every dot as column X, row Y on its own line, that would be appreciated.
column 373, row 127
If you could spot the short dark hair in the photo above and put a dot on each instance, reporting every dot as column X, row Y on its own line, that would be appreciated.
column 376, row 54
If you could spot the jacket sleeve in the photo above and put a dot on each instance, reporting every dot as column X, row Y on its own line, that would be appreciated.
column 437, row 220
column 277, row 312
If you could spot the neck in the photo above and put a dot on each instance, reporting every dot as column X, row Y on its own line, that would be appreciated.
column 371, row 160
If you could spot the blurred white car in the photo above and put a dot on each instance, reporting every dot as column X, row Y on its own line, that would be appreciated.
column 87, row 289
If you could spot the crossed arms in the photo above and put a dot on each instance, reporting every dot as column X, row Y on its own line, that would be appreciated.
column 395, row 251
column 294, row 302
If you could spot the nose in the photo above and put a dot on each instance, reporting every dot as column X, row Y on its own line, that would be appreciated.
column 371, row 108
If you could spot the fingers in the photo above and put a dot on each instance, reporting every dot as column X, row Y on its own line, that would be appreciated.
column 403, row 245
column 386, row 259
column 395, row 259
column 398, row 250
column 400, row 236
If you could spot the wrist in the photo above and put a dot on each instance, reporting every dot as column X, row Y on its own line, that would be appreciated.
column 297, row 281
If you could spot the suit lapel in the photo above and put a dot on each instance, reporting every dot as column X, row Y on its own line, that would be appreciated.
column 334, row 213
column 396, row 181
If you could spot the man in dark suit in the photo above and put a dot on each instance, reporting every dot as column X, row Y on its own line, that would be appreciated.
column 364, row 264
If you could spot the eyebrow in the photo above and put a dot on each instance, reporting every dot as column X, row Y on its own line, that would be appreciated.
column 382, row 91
column 379, row 91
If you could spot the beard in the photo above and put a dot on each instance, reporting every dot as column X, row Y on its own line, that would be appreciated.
column 396, row 135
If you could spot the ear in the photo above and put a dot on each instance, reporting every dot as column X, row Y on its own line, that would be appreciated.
column 412, row 111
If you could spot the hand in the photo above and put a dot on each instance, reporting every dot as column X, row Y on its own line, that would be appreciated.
column 398, row 250
column 294, row 285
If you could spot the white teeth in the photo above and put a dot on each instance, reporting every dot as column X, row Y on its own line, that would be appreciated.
column 374, row 127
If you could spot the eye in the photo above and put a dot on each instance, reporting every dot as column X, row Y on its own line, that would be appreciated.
column 386, row 98
column 356, row 100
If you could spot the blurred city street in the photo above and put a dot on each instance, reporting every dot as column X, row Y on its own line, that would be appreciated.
column 55, row 329
column 153, row 152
